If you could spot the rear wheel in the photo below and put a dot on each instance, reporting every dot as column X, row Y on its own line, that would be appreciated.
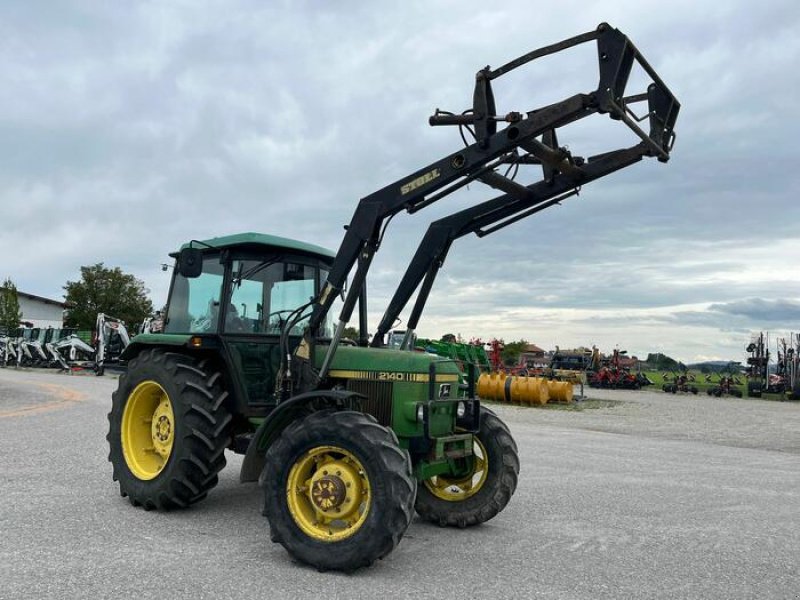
column 168, row 430
column 338, row 490
column 483, row 491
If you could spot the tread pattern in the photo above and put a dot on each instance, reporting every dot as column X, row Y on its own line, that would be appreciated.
column 500, row 485
column 202, row 427
column 388, row 468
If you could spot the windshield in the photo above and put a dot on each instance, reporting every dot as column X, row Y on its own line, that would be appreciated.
column 265, row 294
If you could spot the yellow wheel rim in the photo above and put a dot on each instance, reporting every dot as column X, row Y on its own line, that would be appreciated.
column 328, row 493
column 457, row 490
column 148, row 430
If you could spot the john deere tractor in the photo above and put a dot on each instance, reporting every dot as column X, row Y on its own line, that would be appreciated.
column 349, row 438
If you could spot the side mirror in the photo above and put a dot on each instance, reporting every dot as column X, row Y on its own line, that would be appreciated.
column 190, row 262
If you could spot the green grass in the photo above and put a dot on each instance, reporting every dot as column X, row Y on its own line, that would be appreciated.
column 700, row 381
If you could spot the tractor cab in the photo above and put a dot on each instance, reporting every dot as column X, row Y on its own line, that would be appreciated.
column 238, row 292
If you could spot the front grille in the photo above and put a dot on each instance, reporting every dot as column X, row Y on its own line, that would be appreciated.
column 378, row 395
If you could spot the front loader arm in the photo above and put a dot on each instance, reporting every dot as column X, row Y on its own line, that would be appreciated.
column 484, row 219
column 416, row 191
column 477, row 162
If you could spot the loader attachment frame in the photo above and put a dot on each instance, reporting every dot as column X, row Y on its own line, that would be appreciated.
column 528, row 137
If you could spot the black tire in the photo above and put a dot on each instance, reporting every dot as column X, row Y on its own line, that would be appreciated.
column 381, row 521
column 200, row 430
column 502, row 463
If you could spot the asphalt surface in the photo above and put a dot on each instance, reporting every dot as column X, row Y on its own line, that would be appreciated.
column 656, row 497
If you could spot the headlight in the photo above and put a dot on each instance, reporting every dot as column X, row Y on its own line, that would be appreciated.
column 420, row 412
column 461, row 409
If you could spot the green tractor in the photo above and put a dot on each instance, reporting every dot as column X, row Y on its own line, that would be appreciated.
column 349, row 438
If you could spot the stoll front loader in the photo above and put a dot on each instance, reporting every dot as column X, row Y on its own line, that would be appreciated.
column 348, row 440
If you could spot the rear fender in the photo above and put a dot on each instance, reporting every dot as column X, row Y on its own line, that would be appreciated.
column 149, row 340
column 285, row 413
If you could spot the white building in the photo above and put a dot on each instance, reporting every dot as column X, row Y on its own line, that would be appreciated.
column 41, row 312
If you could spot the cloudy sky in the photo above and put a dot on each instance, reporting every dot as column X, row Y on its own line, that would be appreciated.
column 131, row 127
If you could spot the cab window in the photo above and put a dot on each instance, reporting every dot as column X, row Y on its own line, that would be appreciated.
column 194, row 303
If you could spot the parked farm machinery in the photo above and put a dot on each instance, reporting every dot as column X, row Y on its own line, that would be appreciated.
column 789, row 365
column 726, row 385
column 759, row 380
column 67, row 348
column 609, row 372
column 681, row 383
column 523, row 389
column 461, row 352
column 39, row 347
column 785, row 380
column 112, row 339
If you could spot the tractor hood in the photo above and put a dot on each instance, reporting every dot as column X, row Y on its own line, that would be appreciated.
column 352, row 362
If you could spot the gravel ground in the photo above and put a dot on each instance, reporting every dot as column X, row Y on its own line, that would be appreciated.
column 727, row 421
column 656, row 496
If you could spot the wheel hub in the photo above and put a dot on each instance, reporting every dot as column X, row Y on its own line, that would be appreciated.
column 328, row 492
column 162, row 428
column 336, row 489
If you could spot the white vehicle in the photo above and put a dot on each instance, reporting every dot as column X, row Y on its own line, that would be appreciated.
column 112, row 339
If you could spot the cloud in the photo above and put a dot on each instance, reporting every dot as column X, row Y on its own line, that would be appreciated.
column 759, row 309
column 131, row 128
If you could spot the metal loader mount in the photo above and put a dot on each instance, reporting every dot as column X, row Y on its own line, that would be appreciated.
column 534, row 133
column 349, row 439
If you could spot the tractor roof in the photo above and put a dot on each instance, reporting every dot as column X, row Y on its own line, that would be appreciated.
column 260, row 240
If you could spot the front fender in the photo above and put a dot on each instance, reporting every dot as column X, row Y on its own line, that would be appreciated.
column 279, row 418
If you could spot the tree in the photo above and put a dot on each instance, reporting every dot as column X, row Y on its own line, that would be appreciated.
column 351, row 333
column 661, row 362
column 109, row 291
column 10, row 314
column 511, row 351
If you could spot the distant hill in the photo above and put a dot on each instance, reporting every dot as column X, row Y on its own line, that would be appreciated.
column 662, row 362
column 716, row 366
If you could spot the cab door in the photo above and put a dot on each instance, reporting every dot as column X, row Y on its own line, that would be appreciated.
column 263, row 295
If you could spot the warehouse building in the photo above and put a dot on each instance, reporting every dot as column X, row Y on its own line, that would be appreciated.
column 41, row 312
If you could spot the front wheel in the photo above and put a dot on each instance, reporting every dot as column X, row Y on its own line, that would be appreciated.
column 485, row 490
column 338, row 490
